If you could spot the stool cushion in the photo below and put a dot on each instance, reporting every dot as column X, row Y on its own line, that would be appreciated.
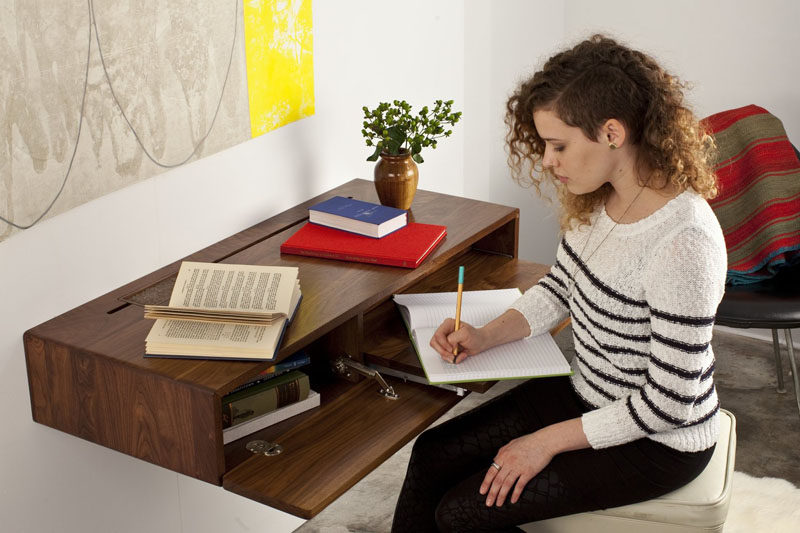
column 701, row 505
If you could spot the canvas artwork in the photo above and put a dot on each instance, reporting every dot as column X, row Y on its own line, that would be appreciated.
column 96, row 95
column 280, row 73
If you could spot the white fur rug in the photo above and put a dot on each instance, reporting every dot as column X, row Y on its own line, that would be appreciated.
column 763, row 504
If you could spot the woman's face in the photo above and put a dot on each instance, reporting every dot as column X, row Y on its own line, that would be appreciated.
column 582, row 165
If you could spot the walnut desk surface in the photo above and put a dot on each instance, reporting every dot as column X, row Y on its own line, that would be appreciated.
column 88, row 375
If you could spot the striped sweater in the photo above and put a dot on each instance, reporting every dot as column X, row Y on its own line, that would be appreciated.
column 642, row 309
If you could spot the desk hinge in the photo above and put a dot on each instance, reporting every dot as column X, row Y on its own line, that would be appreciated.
column 405, row 376
column 343, row 364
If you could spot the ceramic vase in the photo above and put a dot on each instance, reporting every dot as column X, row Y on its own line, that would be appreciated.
column 396, row 178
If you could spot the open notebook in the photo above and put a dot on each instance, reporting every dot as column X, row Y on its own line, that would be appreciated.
column 526, row 358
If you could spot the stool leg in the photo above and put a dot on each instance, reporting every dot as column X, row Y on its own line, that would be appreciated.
column 776, row 349
column 790, row 347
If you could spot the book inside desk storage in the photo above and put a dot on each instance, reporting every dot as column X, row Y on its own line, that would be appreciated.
column 88, row 377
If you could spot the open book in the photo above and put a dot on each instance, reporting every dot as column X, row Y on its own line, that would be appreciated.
column 526, row 358
column 217, row 333
column 239, row 294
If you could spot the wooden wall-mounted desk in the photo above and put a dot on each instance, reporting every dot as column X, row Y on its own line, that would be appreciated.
column 88, row 377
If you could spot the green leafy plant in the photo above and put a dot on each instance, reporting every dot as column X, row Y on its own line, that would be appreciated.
column 393, row 129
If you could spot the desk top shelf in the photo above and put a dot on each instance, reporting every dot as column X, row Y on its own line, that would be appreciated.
column 88, row 375
column 333, row 291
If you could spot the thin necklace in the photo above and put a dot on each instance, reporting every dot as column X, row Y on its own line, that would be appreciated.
column 571, row 279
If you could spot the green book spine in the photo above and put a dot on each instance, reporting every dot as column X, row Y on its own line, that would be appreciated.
column 264, row 397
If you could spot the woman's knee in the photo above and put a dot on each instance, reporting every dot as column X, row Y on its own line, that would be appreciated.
column 447, row 517
column 461, row 508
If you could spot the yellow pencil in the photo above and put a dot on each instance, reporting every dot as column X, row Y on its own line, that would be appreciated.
column 458, row 306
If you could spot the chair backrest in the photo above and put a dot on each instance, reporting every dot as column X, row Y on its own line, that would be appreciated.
column 758, row 205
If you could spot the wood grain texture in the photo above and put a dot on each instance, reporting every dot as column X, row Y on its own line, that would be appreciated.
column 504, row 241
column 333, row 291
column 338, row 446
column 88, row 375
column 170, row 424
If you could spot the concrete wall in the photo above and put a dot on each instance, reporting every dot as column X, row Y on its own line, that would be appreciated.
column 472, row 51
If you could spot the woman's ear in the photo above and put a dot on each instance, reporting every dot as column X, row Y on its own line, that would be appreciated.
column 613, row 133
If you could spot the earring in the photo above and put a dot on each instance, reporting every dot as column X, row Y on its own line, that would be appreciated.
column 612, row 146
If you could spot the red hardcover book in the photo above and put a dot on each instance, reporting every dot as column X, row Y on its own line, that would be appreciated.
column 406, row 247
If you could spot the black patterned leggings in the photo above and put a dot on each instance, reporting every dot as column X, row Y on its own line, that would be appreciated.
column 448, row 464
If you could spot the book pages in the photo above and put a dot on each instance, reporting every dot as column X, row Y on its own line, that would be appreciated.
column 192, row 338
column 431, row 309
column 210, row 339
column 245, row 294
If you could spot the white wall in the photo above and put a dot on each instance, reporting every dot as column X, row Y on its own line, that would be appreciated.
column 365, row 51
column 733, row 52
column 470, row 50
column 505, row 41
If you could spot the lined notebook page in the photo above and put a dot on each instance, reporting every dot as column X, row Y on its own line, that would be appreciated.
column 534, row 357
column 431, row 309
column 526, row 358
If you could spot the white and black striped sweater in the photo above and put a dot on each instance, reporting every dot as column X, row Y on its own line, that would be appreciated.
column 642, row 310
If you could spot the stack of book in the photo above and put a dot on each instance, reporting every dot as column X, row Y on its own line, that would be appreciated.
column 354, row 230
column 274, row 395
column 221, row 311
column 357, row 216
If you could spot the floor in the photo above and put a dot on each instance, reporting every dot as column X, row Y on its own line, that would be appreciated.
column 767, row 427
column 767, row 423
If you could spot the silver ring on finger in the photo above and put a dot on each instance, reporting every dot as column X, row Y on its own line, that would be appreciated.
column 497, row 466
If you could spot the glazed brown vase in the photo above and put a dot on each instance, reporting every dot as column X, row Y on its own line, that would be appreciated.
column 396, row 178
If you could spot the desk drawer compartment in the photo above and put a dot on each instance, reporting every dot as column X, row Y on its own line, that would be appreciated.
column 336, row 445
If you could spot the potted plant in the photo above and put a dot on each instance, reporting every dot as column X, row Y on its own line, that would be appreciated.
column 398, row 136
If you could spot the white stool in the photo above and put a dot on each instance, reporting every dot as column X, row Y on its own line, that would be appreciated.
column 702, row 505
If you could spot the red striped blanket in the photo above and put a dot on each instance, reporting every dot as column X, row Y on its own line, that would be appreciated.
column 758, row 205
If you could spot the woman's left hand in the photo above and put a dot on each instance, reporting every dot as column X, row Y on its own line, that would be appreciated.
column 520, row 461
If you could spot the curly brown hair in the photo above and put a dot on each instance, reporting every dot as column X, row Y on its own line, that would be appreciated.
column 597, row 80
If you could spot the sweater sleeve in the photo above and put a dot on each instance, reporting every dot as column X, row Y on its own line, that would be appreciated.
column 683, row 283
column 544, row 305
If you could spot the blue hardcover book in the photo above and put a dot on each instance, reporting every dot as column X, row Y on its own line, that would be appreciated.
column 357, row 216
column 294, row 361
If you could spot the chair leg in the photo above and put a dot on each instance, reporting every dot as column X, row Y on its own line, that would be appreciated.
column 790, row 348
column 776, row 349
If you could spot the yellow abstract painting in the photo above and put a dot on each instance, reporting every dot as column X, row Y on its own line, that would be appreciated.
column 280, row 70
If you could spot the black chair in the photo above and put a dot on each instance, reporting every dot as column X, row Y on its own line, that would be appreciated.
column 772, row 304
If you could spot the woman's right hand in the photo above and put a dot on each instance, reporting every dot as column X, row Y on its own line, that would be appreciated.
column 469, row 339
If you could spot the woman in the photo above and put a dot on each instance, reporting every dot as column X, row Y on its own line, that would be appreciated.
column 640, row 271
